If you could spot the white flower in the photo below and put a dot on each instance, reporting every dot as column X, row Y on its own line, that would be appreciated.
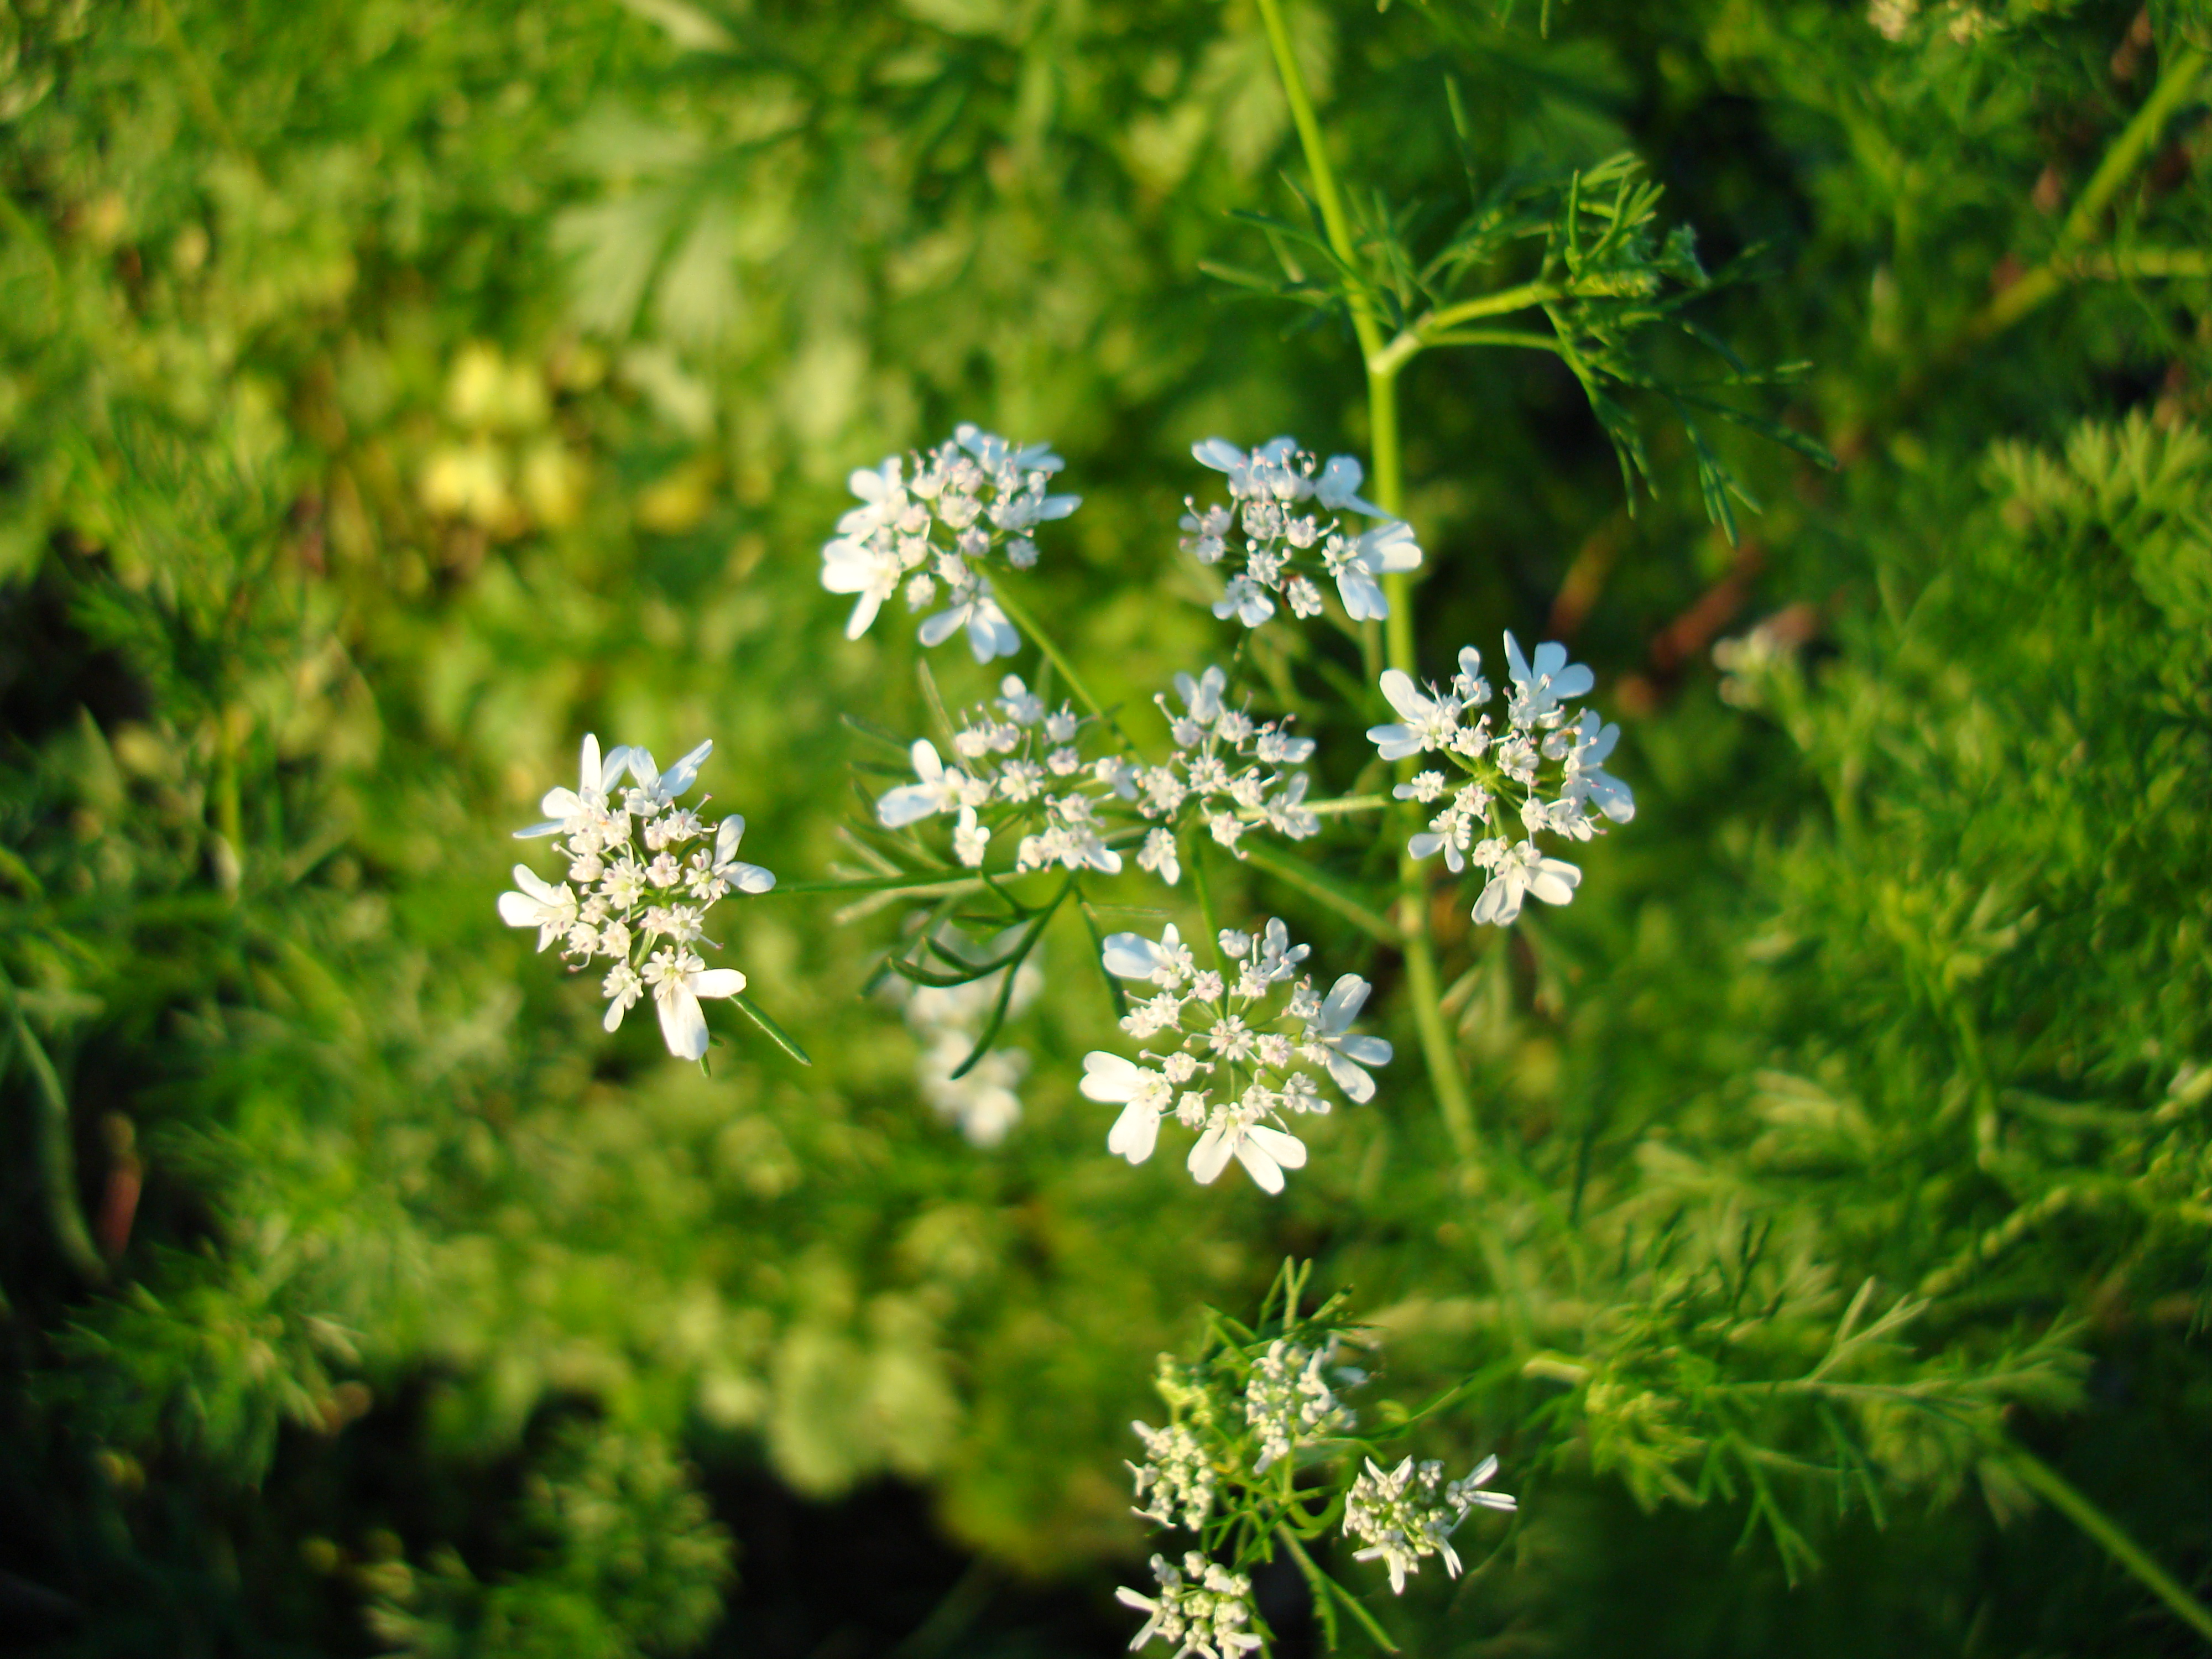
column 1389, row 549
column 1537, row 691
column 680, row 979
column 1176, row 1474
column 1233, row 1131
column 1167, row 963
column 1584, row 782
column 1158, row 855
column 1338, row 488
column 585, row 807
column 621, row 989
column 1246, row 600
column 746, row 878
column 867, row 568
column 939, row 789
column 1345, row 1053
column 1425, row 722
column 1524, row 870
column 1289, row 1402
column 990, row 632
column 654, row 791
column 970, row 839
column 551, row 910
column 1108, row 1078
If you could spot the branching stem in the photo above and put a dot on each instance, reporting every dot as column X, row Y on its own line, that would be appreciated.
column 1421, row 978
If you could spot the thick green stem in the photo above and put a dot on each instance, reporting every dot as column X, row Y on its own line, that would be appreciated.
column 1422, row 983
column 2055, row 1490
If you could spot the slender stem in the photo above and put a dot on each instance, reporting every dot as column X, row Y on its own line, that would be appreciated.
column 57, row 1152
column 1425, row 328
column 2176, row 81
column 1347, row 804
column 1293, row 872
column 1421, row 978
column 1326, row 194
column 1194, row 856
column 1019, row 616
column 2049, row 1485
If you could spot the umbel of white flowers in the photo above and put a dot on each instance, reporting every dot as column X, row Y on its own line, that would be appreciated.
column 1027, row 774
column 649, row 871
column 973, row 498
column 1246, row 1041
column 1276, row 545
column 1406, row 1513
column 1202, row 1610
column 1542, row 774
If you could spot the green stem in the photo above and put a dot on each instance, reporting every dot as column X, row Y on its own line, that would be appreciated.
column 57, row 1151
column 1294, row 872
column 1194, row 856
column 2049, row 1485
column 1323, row 1587
column 1394, row 356
column 2176, row 81
column 1019, row 616
column 1421, row 978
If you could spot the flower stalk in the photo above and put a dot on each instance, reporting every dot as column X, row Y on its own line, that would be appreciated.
column 1423, row 986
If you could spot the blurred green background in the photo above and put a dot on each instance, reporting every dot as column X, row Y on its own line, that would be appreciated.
column 390, row 394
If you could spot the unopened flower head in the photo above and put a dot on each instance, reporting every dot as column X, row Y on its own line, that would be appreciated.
column 1202, row 1610
column 1234, row 1051
column 1497, row 789
column 1282, row 533
column 937, row 520
column 1175, row 1481
column 1403, row 1515
column 646, row 872
column 1289, row 1401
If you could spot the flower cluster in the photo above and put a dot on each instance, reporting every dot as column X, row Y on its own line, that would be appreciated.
column 1541, row 774
column 946, row 1019
column 1206, row 1616
column 1175, row 1483
column 1247, row 1038
column 1221, row 774
column 971, row 498
column 1405, row 1515
column 1288, row 1402
column 1017, row 765
column 1280, row 547
column 1019, row 768
column 649, row 871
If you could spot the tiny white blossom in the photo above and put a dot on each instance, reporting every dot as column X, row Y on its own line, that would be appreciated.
column 551, row 910
column 680, row 979
column 1523, row 870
